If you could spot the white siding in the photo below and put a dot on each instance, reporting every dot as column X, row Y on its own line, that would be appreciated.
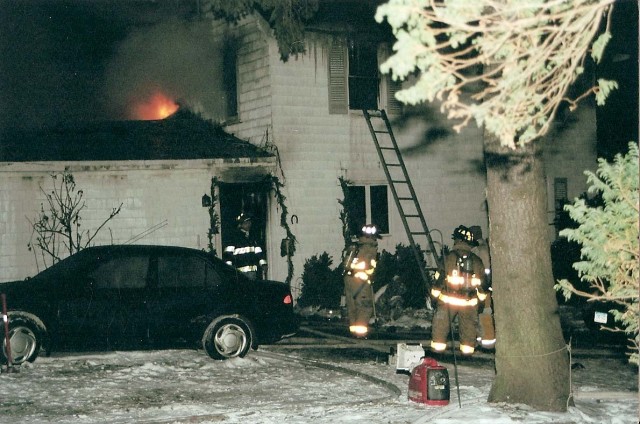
column 163, row 194
column 254, row 82
column 287, row 104
column 316, row 148
column 290, row 101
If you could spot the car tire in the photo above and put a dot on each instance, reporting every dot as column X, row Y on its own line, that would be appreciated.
column 26, row 336
column 227, row 337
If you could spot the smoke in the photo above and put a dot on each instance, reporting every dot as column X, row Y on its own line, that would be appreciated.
column 179, row 59
column 52, row 57
column 76, row 60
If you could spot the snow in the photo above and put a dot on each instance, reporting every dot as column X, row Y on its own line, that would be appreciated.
column 294, row 381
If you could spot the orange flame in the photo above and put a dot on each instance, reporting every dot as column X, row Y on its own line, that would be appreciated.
column 158, row 106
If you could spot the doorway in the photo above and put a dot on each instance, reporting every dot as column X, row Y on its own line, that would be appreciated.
column 237, row 198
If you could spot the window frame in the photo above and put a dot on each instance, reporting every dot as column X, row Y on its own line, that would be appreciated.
column 560, row 194
column 363, row 75
column 338, row 80
column 384, row 227
column 103, row 273
column 230, row 79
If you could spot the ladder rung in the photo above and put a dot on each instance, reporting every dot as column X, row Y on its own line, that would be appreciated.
column 368, row 114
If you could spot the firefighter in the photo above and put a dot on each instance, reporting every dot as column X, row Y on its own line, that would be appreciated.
column 458, row 292
column 244, row 253
column 486, row 327
column 359, row 265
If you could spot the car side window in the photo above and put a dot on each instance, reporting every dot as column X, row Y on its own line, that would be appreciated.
column 212, row 276
column 181, row 271
column 121, row 273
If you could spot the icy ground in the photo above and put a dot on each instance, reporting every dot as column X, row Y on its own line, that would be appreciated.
column 293, row 381
column 273, row 386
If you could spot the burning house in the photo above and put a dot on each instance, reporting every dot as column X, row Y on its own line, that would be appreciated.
column 306, row 110
column 161, row 171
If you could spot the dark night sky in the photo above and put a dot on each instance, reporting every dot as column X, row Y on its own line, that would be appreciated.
column 77, row 60
column 618, row 118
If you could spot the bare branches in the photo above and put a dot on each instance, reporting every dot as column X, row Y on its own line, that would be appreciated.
column 57, row 230
column 525, row 53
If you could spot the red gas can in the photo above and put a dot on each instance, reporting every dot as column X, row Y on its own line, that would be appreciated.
column 429, row 383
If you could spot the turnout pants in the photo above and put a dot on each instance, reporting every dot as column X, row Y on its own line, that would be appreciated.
column 359, row 300
column 467, row 324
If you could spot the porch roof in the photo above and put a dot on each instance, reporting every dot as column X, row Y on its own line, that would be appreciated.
column 183, row 135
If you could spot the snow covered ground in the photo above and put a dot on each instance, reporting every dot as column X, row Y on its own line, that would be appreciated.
column 280, row 384
column 297, row 380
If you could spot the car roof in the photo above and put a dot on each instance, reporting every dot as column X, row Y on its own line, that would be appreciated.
column 144, row 248
column 136, row 247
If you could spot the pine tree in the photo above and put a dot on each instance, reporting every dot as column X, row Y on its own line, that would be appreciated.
column 609, row 238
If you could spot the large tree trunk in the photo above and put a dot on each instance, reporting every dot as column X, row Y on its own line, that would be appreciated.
column 532, row 362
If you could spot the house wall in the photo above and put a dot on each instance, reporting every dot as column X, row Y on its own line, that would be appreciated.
column 161, row 203
column 316, row 148
column 570, row 150
column 253, row 78
column 286, row 104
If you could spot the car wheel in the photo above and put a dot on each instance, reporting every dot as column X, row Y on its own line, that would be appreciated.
column 227, row 337
column 25, row 337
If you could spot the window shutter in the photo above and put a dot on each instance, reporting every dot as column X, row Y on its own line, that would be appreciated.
column 394, row 107
column 560, row 193
column 337, row 78
column 391, row 87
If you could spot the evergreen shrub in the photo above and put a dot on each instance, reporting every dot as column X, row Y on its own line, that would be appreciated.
column 321, row 285
column 609, row 242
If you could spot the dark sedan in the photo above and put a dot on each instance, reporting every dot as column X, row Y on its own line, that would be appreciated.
column 134, row 293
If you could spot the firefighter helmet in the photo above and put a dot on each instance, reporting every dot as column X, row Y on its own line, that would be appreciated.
column 370, row 230
column 243, row 217
column 464, row 234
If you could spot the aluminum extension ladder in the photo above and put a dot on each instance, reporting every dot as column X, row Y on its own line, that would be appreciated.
column 403, row 194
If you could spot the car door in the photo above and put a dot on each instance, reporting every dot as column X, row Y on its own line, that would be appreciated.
column 76, row 308
column 119, row 309
column 180, row 296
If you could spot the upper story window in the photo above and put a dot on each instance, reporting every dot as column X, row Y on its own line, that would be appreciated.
column 355, row 82
column 363, row 75
column 230, row 78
